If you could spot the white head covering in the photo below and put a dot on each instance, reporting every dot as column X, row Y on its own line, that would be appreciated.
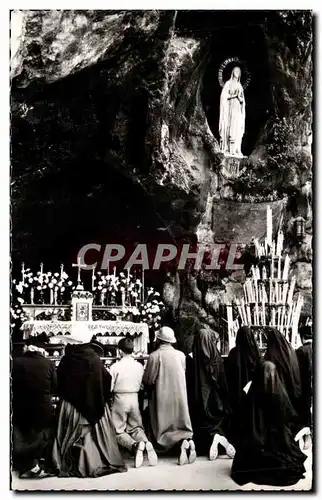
column 166, row 334
column 80, row 333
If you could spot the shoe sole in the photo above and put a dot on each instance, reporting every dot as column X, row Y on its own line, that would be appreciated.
column 139, row 455
column 183, row 458
column 192, row 455
column 152, row 456
column 213, row 452
column 230, row 450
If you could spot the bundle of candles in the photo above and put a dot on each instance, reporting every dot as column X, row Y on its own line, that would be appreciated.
column 270, row 248
column 268, row 294
column 278, row 268
column 273, row 308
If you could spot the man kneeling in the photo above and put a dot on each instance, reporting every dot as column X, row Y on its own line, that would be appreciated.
column 169, row 419
column 126, row 382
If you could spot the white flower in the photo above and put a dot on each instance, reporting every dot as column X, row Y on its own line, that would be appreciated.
column 20, row 300
column 64, row 276
column 56, row 274
column 122, row 275
column 51, row 285
column 54, row 281
column 49, row 274
column 30, row 280
column 19, row 288
column 156, row 293
column 62, row 288
column 70, row 283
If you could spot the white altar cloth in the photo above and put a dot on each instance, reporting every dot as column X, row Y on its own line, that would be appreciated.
column 139, row 331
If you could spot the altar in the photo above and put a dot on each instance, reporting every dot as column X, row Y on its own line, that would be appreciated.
column 108, row 332
column 50, row 307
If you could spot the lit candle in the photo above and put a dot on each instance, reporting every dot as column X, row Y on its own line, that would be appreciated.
column 55, row 297
column 51, row 296
column 114, row 271
column 279, row 268
column 286, row 267
column 23, row 273
column 61, row 271
column 93, row 278
column 41, row 273
column 31, row 295
column 142, row 284
column 269, row 225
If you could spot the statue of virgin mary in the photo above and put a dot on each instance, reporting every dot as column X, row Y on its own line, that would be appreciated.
column 232, row 115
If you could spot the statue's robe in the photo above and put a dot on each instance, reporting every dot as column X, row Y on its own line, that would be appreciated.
column 232, row 117
column 164, row 377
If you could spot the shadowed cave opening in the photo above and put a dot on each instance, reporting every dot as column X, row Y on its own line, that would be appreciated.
column 239, row 35
column 247, row 45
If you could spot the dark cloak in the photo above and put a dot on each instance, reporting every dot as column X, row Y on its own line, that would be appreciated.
column 282, row 354
column 33, row 385
column 211, row 398
column 266, row 452
column 304, row 356
column 241, row 364
column 84, row 382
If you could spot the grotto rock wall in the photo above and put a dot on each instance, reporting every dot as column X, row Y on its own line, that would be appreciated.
column 111, row 142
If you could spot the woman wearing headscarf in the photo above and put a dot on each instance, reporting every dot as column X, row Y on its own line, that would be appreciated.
column 241, row 364
column 280, row 352
column 85, row 444
column 266, row 452
column 211, row 398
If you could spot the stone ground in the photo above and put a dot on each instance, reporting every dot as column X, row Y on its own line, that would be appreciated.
column 202, row 475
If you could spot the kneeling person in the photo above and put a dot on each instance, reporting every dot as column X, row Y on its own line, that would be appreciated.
column 169, row 419
column 126, row 382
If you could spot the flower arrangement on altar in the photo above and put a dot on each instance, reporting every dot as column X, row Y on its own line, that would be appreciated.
column 120, row 290
column 122, row 295
column 42, row 288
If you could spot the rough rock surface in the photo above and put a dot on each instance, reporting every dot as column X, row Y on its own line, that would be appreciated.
column 111, row 141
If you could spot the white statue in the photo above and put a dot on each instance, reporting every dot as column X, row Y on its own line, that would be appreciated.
column 232, row 115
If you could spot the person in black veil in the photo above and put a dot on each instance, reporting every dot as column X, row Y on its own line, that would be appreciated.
column 211, row 399
column 304, row 356
column 241, row 364
column 266, row 452
column 85, row 444
column 282, row 354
